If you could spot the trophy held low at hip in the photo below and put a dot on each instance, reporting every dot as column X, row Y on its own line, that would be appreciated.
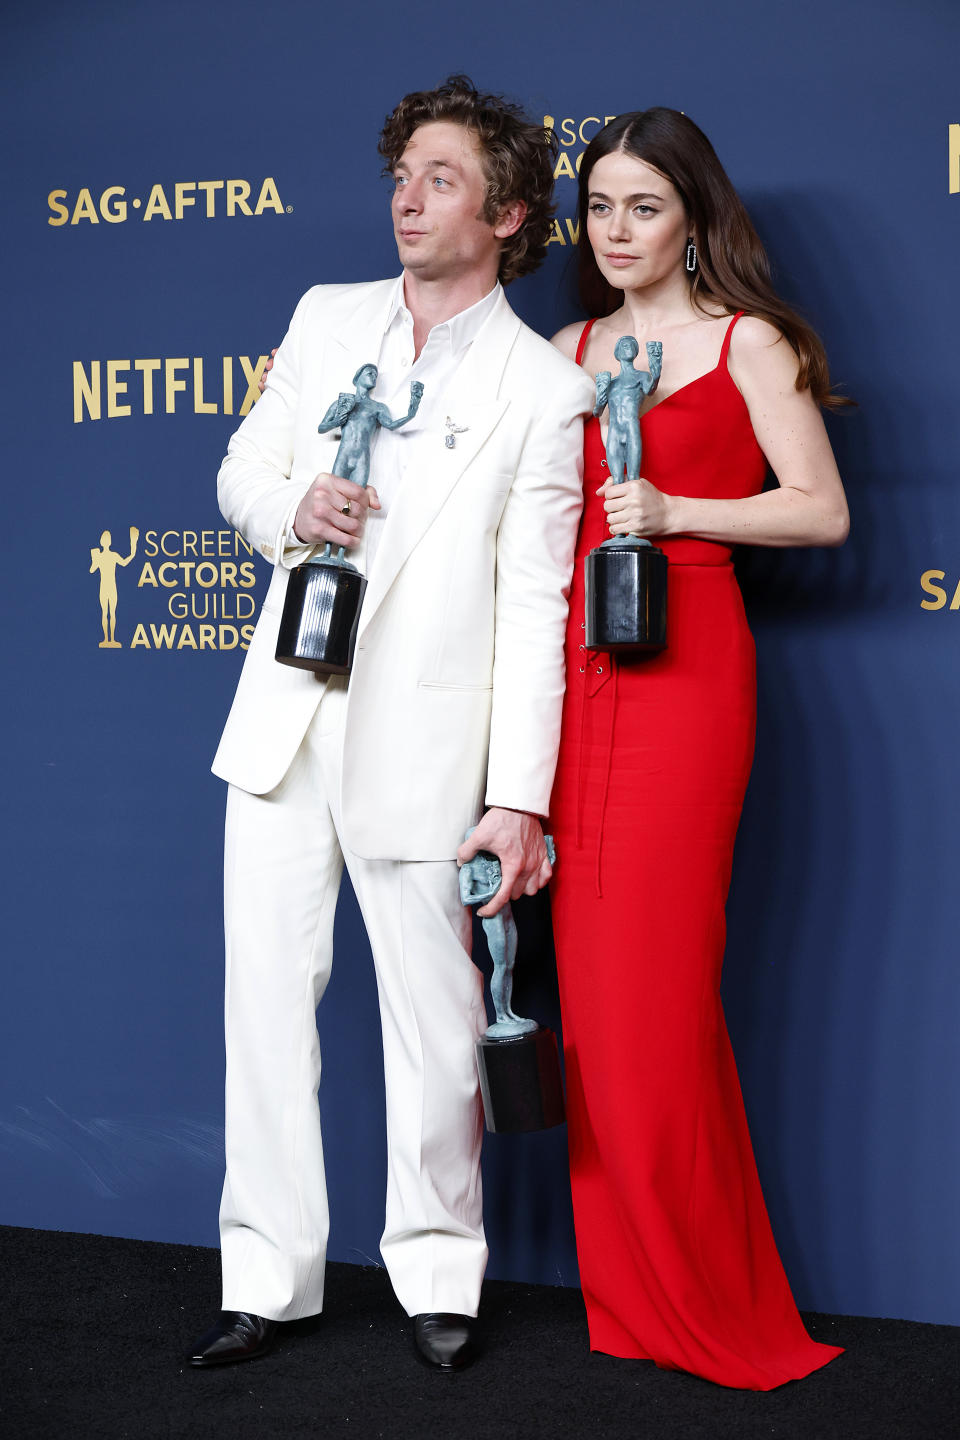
column 517, row 1059
column 321, row 609
column 626, row 576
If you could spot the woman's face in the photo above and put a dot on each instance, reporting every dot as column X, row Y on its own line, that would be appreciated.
column 636, row 222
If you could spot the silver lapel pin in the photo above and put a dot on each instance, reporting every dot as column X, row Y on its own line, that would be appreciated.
column 453, row 431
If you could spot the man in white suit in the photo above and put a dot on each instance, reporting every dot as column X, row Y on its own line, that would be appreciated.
column 453, row 704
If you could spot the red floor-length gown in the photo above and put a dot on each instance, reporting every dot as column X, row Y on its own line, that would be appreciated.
column 677, row 1259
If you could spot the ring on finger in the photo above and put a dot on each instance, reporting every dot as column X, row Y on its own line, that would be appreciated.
column 345, row 509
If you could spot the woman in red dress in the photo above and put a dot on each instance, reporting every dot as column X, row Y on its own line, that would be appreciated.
column 677, row 1260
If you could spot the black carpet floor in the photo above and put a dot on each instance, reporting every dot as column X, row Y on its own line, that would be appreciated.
column 91, row 1329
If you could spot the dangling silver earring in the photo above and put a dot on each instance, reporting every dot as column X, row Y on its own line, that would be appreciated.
column 691, row 256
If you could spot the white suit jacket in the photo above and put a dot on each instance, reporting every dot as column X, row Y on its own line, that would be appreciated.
column 455, row 695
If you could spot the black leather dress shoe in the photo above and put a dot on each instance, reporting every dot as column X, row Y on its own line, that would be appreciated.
column 237, row 1335
column 444, row 1341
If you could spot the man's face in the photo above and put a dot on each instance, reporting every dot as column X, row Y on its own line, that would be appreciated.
column 437, row 205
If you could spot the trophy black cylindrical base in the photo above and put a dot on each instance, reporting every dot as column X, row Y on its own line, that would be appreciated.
column 626, row 598
column 321, row 612
column 520, row 1082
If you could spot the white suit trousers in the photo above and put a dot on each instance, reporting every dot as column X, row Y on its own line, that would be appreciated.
column 283, row 864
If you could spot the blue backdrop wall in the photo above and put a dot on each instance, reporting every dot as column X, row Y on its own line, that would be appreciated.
column 175, row 177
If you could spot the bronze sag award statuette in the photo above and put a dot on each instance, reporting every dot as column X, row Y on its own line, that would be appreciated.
column 626, row 576
column 321, row 609
column 517, row 1059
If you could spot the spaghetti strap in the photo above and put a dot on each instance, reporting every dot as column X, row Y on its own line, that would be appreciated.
column 581, row 343
column 726, row 341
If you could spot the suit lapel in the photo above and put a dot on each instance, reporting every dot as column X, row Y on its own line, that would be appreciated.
column 473, row 402
column 357, row 333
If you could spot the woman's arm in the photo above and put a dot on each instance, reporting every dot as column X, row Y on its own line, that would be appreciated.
column 808, row 507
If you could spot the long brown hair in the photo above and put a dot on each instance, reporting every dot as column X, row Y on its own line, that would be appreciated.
column 732, row 266
column 517, row 155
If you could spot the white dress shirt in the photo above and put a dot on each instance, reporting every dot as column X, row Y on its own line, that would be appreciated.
column 399, row 455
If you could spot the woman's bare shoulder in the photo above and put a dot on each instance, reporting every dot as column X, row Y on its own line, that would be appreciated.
column 761, row 356
column 753, row 336
column 567, row 339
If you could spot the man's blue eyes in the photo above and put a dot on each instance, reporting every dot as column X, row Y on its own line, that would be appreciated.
column 400, row 180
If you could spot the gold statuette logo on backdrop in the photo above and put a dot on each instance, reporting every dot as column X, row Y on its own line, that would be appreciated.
column 194, row 591
column 105, row 560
